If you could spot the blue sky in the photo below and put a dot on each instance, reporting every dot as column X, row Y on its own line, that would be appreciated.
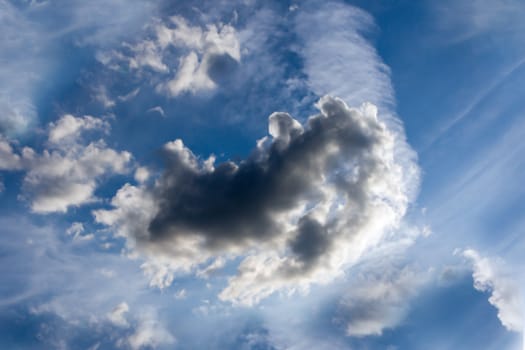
column 262, row 175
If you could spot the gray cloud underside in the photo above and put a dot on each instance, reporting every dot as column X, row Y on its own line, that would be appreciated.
column 309, row 200
column 237, row 202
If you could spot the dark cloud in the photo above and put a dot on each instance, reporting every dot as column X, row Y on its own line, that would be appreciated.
column 311, row 241
column 234, row 203
column 308, row 201
column 220, row 67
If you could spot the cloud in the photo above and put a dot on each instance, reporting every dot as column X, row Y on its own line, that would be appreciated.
column 100, row 94
column 378, row 300
column 491, row 275
column 66, row 173
column 214, row 52
column 310, row 200
column 21, row 57
column 9, row 160
column 180, row 294
column 117, row 315
column 149, row 333
column 69, row 127
column 157, row 109
column 338, row 59
column 205, row 55
column 32, row 38
column 470, row 19
column 141, row 174
column 76, row 230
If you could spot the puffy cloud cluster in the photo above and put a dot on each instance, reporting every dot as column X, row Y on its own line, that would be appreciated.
column 65, row 174
column 309, row 201
column 490, row 275
column 206, row 55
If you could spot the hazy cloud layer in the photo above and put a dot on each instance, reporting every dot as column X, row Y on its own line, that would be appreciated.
column 378, row 300
column 338, row 59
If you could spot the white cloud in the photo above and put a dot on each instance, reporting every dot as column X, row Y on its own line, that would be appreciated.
column 339, row 61
column 157, row 109
column 9, row 160
column 147, row 54
column 141, row 174
column 65, row 174
column 29, row 42
column 378, row 300
column 21, row 54
column 212, row 268
column 491, row 275
column 129, row 96
column 221, row 38
column 62, row 178
column 181, row 294
column 204, row 55
column 117, row 316
column 76, row 230
column 208, row 48
column 191, row 77
column 150, row 333
column 100, row 94
column 470, row 19
column 69, row 127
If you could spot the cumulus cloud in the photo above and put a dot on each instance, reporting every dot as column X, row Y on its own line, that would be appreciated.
column 141, row 174
column 308, row 202
column 492, row 276
column 69, row 127
column 9, row 160
column 66, row 173
column 206, row 55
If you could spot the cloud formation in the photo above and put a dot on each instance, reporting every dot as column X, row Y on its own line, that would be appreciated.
column 338, row 59
column 65, row 174
column 149, row 333
column 117, row 316
column 506, row 296
column 205, row 55
column 378, row 301
column 308, row 201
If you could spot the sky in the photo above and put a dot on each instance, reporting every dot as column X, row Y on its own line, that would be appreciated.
column 243, row 174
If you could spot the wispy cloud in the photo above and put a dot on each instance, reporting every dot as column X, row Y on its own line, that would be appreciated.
column 338, row 59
